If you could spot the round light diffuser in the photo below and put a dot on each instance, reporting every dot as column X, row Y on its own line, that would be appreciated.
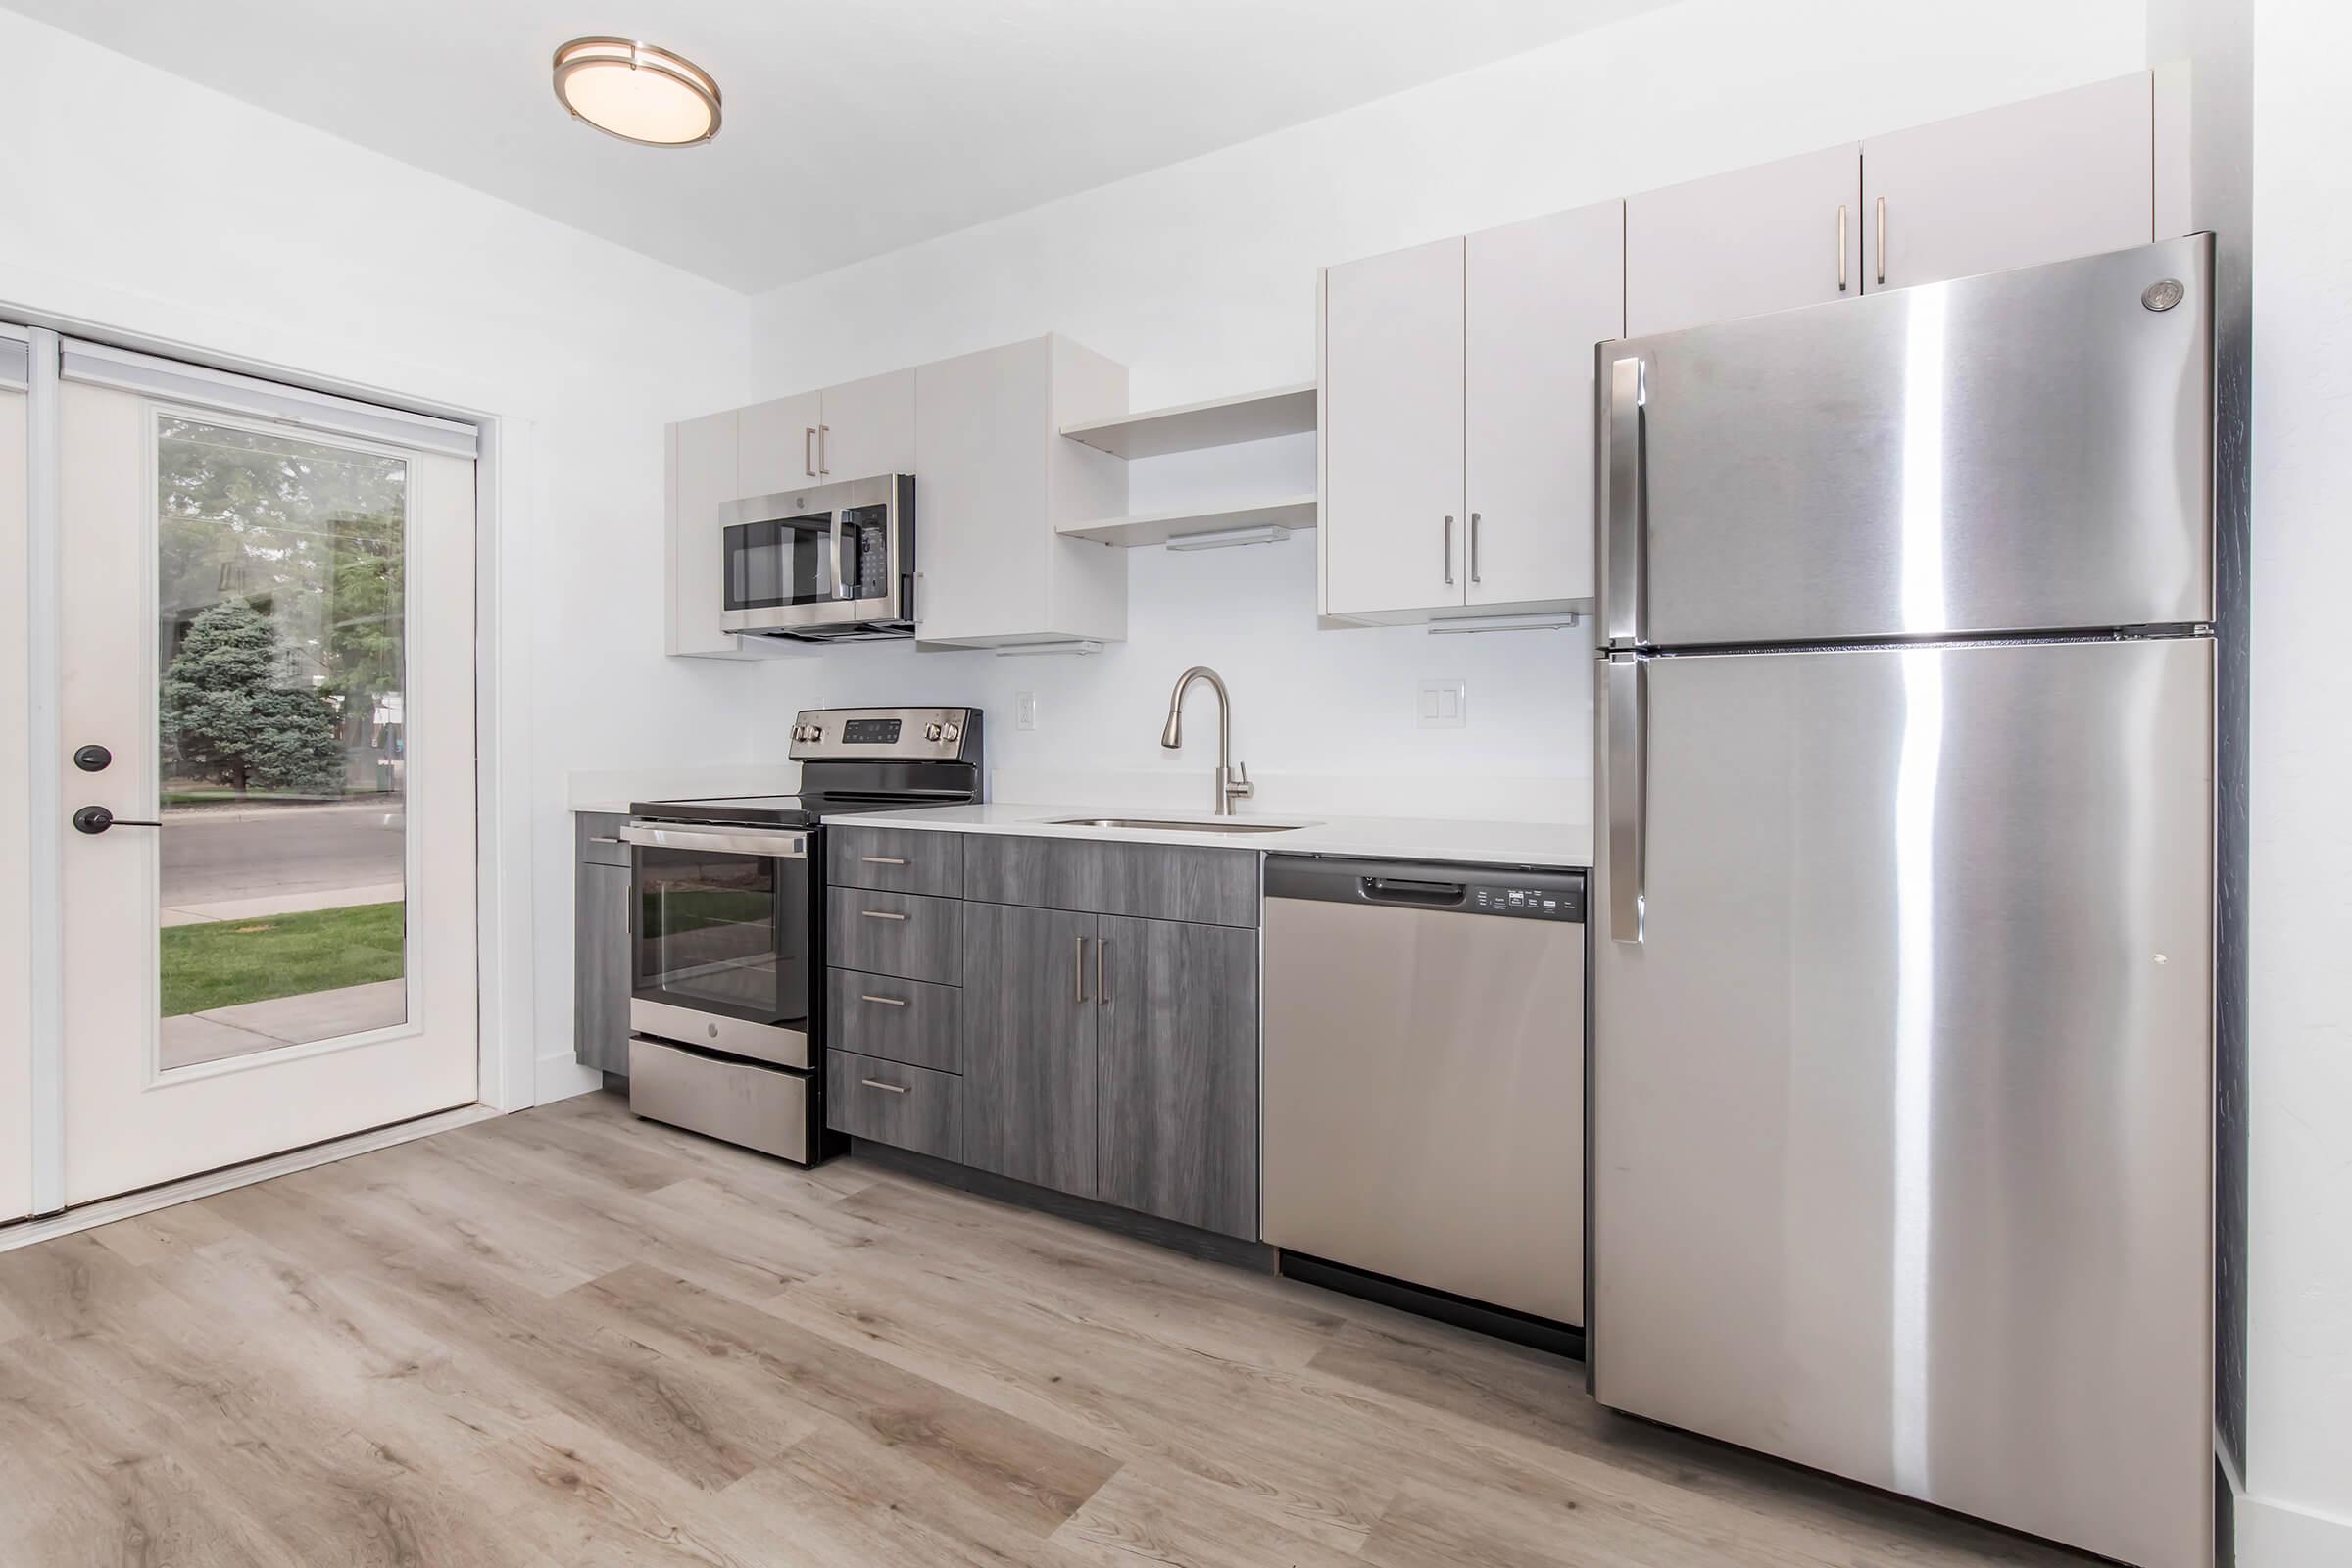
column 637, row 92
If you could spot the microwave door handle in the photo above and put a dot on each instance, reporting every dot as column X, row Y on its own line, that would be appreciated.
column 841, row 586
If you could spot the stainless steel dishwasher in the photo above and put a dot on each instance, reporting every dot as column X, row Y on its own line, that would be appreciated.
column 1424, row 1093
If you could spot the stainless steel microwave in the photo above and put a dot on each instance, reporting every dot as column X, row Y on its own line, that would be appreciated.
column 832, row 563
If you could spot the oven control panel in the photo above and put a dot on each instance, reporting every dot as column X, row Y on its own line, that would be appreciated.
column 886, row 734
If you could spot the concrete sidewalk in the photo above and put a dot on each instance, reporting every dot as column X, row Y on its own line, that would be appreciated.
column 198, row 1037
column 282, row 904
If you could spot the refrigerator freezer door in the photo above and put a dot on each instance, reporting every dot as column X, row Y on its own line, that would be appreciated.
column 2027, row 451
column 1902, row 1087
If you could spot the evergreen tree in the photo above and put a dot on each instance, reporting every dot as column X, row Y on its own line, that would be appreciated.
column 223, row 709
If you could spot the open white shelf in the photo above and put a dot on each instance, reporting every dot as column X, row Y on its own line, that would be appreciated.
column 1190, row 427
column 1290, row 513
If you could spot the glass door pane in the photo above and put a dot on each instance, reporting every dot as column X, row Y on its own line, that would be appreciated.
column 281, row 658
column 724, row 933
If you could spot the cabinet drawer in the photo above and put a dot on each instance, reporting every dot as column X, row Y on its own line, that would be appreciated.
column 895, row 859
column 898, row 934
column 599, row 835
column 1153, row 881
column 908, row 1107
column 898, row 1020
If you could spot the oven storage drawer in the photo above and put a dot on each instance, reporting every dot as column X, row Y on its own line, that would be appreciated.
column 907, row 1107
column 895, row 859
column 899, row 934
column 911, row 1021
column 759, row 1108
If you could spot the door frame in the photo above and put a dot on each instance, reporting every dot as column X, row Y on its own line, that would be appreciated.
column 506, row 1066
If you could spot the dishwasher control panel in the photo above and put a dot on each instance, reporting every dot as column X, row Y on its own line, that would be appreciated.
column 1515, row 893
column 1548, row 902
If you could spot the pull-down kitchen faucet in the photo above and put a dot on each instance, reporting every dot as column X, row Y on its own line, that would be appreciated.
column 1233, row 782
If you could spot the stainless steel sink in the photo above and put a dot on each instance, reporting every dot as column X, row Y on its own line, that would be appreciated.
column 1162, row 825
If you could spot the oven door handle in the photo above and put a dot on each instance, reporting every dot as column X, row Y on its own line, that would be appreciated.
column 718, row 841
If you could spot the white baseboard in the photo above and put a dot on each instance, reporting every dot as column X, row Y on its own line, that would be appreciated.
column 560, row 1077
column 2277, row 1535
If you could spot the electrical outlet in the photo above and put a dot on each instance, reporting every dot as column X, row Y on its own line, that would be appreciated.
column 1444, row 703
column 1024, row 709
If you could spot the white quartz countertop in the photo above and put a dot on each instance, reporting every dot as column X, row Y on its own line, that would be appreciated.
column 1395, row 838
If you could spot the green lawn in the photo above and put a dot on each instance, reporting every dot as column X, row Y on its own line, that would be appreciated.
column 223, row 962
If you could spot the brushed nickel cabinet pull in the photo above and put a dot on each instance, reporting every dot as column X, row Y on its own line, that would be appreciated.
column 1882, row 242
column 882, row 859
column 1102, row 984
column 808, row 451
column 1474, row 576
column 1446, row 548
column 880, row 915
column 1078, row 972
column 882, row 1001
column 824, row 438
column 876, row 1083
column 1842, row 259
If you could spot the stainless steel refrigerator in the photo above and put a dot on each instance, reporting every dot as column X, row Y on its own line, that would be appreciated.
column 1904, row 976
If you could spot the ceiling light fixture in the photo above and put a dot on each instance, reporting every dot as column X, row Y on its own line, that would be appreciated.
column 637, row 92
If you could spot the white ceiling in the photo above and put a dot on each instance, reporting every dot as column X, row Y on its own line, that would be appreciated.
column 851, row 127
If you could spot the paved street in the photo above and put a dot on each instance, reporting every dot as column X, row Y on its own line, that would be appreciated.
column 216, row 854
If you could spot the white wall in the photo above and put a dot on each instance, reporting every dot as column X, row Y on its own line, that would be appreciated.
column 1202, row 278
column 135, row 199
column 2299, row 1405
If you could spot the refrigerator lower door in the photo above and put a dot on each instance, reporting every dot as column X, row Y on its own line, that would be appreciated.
column 2024, row 451
column 1902, row 1072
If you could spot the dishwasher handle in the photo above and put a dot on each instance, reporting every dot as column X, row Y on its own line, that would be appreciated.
column 1418, row 892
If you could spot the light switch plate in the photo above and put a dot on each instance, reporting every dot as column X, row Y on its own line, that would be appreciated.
column 1442, row 704
column 1024, row 709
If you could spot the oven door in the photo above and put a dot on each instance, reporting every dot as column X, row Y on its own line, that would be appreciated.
column 839, row 556
column 720, row 923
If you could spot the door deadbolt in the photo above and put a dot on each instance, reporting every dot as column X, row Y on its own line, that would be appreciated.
column 93, row 758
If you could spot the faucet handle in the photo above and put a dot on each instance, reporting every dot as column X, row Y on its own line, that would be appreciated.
column 1240, row 788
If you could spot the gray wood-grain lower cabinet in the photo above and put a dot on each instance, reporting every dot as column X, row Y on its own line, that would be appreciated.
column 600, row 935
column 1029, row 1033
column 1176, row 1067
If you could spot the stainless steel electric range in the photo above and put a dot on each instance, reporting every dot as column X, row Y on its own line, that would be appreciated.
column 727, row 941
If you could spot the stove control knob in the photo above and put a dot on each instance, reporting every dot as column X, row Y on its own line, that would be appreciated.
column 952, row 733
column 931, row 731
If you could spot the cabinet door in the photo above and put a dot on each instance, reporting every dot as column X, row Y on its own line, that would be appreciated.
column 779, row 446
column 600, row 933
column 867, row 427
column 1178, row 1072
column 1538, row 296
column 701, row 478
column 980, row 502
column 1029, row 1045
column 2064, row 175
column 1754, row 240
column 1392, row 531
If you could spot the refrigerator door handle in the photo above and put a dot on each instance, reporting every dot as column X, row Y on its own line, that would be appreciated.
column 1626, row 693
column 1621, row 508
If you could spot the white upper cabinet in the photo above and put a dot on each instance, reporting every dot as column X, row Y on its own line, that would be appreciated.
column 778, row 446
column 1767, row 238
column 994, row 480
column 703, row 456
column 866, row 427
column 1392, row 530
column 1458, row 412
column 1538, row 296
column 2067, row 174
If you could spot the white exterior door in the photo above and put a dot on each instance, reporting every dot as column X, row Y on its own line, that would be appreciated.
column 1759, row 239
column 2053, row 177
column 16, row 847
column 1540, row 295
column 270, row 632
column 1393, row 531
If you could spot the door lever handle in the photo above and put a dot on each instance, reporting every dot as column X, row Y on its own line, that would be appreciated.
column 97, row 819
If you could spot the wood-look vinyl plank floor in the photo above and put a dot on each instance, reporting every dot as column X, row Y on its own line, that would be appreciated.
column 571, row 1338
